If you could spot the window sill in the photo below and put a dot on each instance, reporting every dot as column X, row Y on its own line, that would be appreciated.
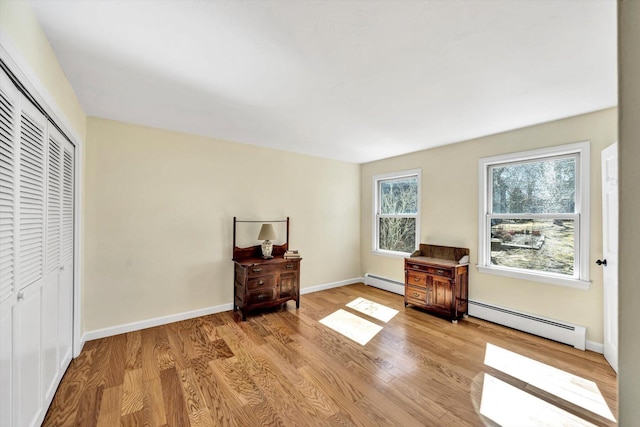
column 551, row 280
column 390, row 254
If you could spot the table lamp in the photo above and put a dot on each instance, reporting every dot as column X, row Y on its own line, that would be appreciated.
column 267, row 233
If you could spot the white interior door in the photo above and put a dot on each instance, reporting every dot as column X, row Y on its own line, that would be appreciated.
column 610, row 252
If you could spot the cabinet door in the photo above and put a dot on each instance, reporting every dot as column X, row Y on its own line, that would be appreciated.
column 288, row 284
column 440, row 293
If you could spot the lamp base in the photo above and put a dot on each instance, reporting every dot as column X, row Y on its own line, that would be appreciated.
column 267, row 249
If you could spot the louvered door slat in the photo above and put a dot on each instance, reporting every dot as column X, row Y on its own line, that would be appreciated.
column 53, row 205
column 8, row 128
column 31, row 222
column 67, row 206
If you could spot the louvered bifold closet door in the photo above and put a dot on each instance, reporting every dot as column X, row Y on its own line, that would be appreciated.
column 9, row 111
column 51, row 285
column 30, row 264
column 65, row 337
column 36, row 257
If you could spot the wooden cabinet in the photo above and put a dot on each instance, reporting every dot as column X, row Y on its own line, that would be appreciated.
column 437, row 282
column 262, row 283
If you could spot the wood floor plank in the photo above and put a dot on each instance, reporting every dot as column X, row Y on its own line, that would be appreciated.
column 174, row 403
column 110, row 407
column 132, row 392
column 282, row 367
column 153, row 408
column 133, row 357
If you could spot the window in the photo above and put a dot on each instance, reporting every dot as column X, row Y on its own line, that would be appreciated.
column 534, row 221
column 396, row 208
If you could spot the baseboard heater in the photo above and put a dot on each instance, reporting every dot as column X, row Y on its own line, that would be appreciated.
column 566, row 333
column 384, row 283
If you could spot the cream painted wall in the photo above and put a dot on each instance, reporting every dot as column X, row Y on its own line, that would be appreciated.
column 20, row 24
column 629, row 97
column 160, row 207
column 450, row 215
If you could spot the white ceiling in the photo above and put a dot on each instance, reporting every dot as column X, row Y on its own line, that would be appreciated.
column 349, row 80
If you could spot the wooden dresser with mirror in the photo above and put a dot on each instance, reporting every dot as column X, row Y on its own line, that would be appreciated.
column 263, row 283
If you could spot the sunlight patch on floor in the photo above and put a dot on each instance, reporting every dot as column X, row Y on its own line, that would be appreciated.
column 373, row 309
column 569, row 387
column 351, row 326
column 509, row 406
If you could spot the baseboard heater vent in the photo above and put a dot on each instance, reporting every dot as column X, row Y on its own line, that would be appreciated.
column 566, row 333
column 384, row 283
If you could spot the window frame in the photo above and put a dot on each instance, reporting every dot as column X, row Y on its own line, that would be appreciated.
column 377, row 180
column 581, row 217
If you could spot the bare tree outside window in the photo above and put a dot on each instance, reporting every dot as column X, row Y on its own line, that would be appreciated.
column 532, row 216
column 397, row 214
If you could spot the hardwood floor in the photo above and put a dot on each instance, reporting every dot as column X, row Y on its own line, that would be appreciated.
column 285, row 368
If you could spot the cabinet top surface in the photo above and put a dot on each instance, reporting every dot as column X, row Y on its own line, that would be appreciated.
column 247, row 262
column 434, row 261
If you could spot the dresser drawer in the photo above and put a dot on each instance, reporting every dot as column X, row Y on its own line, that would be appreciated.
column 262, row 270
column 261, row 295
column 261, row 282
column 438, row 271
column 416, row 279
column 431, row 269
column 415, row 295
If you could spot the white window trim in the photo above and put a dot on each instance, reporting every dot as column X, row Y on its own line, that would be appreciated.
column 374, row 238
column 582, row 210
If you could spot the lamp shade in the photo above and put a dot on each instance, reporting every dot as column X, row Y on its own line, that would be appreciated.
column 267, row 232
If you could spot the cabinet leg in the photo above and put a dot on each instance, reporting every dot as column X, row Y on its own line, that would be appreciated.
column 235, row 307
column 244, row 316
column 298, row 303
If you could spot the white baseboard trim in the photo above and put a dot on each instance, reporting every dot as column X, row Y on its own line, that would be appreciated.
column 150, row 323
column 332, row 285
column 596, row 347
column 384, row 283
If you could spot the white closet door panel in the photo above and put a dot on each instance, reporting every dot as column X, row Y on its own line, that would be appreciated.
column 66, row 255
column 50, row 335
column 7, row 320
column 9, row 122
column 51, row 327
column 28, row 353
column 31, row 187
column 65, row 324
column 9, row 111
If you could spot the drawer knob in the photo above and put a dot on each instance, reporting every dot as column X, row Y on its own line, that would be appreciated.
column 439, row 271
column 417, row 279
column 289, row 266
column 262, row 296
column 256, row 270
column 261, row 282
column 415, row 294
